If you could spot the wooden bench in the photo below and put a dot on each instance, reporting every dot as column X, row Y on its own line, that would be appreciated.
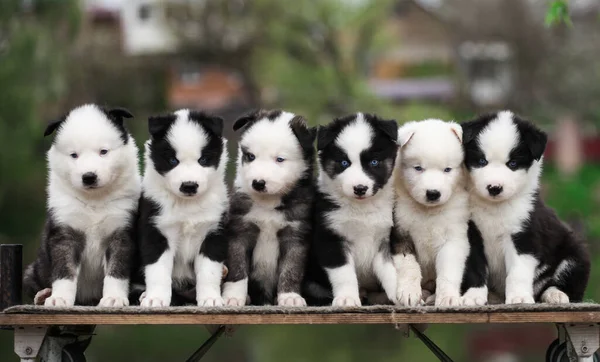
column 61, row 334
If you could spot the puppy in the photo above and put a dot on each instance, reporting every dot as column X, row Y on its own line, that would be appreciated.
column 270, row 210
column 183, row 209
column 431, row 218
column 353, row 212
column 532, row 255
column 94, row 186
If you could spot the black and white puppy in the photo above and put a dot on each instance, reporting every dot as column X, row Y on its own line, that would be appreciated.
column 432, row 212
column 94, row 186
column 183, row 208
column 532, row 255
column 270, row 211
column 353, row 212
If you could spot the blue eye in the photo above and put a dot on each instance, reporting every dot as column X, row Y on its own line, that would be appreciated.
column 345, row 164
column 447, row 169
column 173, row 161
column 374, row 163
column 203, row 160
column 482, row 162
column 512, row 164
column 74, row 155
column 250, row 156
column 280, row 159
column 418, row 168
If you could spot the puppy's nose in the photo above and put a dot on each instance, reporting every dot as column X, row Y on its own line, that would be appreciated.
column 188, row 187
column 89, row 178
column 432, row 195
column 258, row 185
column 360, row 190
column 494, row 190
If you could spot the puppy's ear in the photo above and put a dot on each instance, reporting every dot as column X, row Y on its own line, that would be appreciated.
column 245, row 120
column 211, row 122
column 325, row 136
column 305, row 135
column 389, row 127
column 119, row 113
column 471, row 129
column 534, row 138
column 158, row 125
column 54, row 125
column 457, row 130
column 405, row 133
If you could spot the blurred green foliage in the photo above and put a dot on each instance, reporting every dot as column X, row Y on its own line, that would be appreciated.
column 558, row 13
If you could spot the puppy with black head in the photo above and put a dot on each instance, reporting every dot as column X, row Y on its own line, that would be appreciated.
column 353, row 213
column 94, row 185
column 270, row 215
column 183, row 209
column 532, row 255
column 432, row 216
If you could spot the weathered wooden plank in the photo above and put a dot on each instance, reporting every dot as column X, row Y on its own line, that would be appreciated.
column 334, row 318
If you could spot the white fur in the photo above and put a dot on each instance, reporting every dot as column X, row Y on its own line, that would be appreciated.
column 500, row 217
column 236, row 293
column 115, row 292
column 208, row 275
column 475, row 296
column 63, row 293
column 408, row 292
column 185, row 221
column 345, row 285
column 555, row 296
column 267, row 140
column 438, row 230
column 290, row 300
column 98, row 212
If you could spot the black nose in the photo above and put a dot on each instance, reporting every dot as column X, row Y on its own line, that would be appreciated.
column 433, row 195
column 258, row 185
column 188, row 187
column 89, row 179
column 360, row 190
column 494, row 190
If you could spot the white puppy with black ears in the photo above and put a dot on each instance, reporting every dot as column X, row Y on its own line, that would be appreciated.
column 432, row 217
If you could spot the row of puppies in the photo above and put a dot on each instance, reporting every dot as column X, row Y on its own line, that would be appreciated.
column 282, row 238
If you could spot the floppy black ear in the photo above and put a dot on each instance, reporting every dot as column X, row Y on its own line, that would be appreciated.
column 325, row 136
column 120, row 113
column 211, row 122
column 306, row 135
column 469, row 131
column 389, row 127
column 54, row 125
column 245, row 119
column 535, row 139
column 158, row 125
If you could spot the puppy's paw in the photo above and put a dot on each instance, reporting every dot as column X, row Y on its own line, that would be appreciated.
column 109, row 301
column 409, row 295
column 430, row 299
column 346, row 301
column 215, row 301
column 235, row 302
column 554, row 296
column 473, row 301
column 520, row 299
column 475, row 296
column 41, row 296
column 447, row 300
column 58, row 301
column 155, row 301
column 290, row 300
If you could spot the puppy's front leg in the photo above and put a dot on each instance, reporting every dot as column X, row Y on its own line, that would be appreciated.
column 344, row 283
column 65, row 251
column 450, row 266
column 117, row 266
column 158, row 281
column 235, row 289
column 293, row 245
column 209, row 269
column 520, row 273
column 386, row 273
column 408, row 270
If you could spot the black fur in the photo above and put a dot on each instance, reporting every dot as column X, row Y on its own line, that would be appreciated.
column 476, row 272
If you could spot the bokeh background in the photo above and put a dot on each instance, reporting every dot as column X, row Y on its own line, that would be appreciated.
column 402, row 59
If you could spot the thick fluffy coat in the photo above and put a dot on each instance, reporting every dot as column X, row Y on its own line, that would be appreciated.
column 183, row 210
column 353, row 212
column 431, row 219
column 270, row 209
column 532, row 255
column 87, row 248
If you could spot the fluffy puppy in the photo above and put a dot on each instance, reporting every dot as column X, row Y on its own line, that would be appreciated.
column 183, row 209
column 431, row 218
column 353, row 212
column 532, row 255
column 87, row 247
column 270, row 210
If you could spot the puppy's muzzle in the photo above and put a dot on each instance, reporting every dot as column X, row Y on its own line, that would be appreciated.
column 188, row 188
column 89, row 179
column 259, row 185
column 494, row 190
column 360, row 190
column 433, row 195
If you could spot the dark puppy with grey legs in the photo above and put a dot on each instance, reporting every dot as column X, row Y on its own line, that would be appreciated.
column 270, row 210
column 94, row 186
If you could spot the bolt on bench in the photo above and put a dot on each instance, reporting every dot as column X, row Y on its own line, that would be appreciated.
column 62, row 334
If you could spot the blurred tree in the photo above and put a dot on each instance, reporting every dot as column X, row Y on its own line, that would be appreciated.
column 33, row 38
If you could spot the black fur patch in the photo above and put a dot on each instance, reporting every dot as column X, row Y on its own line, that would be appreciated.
column 476, row 271
column 152, row 243
column 246, row 121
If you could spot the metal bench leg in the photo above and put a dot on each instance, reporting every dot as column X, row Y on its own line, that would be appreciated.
column 437, row 351
column 583, row 341
column 207, row 345
column 28, row 341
